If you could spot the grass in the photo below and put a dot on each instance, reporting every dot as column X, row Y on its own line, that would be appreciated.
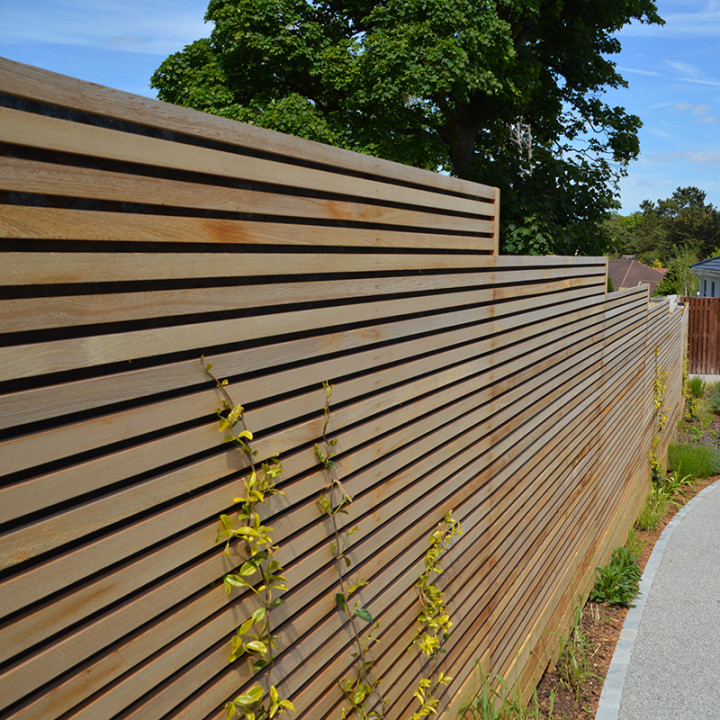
column 496, row 700
column 695, row 461
column 575, row 664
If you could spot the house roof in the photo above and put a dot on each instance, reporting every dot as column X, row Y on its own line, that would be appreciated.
column 630, row 273
column 710, row 267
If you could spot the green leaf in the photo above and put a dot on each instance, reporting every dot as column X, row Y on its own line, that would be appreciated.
column 252, row 696
column 363, row 614
column 248, row 568
column 235, row 581
column 340, row 601
column 245, row 627
column 257, row 646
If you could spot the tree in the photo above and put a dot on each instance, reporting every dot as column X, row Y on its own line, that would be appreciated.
column 683, row 224
column 680, row 279
column 504, row 92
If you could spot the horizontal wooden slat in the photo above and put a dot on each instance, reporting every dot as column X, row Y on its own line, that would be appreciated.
column 34, row 83
column 79, row 310
column 67, row 181
column 70, row 225
column 74, row 353
column 40, row 131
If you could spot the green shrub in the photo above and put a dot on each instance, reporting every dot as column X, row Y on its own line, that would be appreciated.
column 695, row 461
column 696, row 386
column 715, row 399
column 618, row 583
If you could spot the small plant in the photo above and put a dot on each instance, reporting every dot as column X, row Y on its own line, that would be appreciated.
column 633, row 543
column 696, row 386
column 675, row 485
column 496, row 700
column 618, row 583
column 260, row 573
column 654, row 509
column 715, row 400
column 575, row 664
column 434, row 618
column 360, row 688
column 690, row 414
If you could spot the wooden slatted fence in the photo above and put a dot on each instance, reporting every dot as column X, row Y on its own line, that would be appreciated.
column 703, row 335
column 138, row 237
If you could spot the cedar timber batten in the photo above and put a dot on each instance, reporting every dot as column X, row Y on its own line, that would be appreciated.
column 138, row 236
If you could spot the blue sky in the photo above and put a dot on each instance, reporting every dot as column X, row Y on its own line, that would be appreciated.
column 673, row 72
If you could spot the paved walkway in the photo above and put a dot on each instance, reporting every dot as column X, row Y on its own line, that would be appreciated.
column 667, row 663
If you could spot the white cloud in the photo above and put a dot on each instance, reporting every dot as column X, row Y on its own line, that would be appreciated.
column 639, row 72
column 703, row 157
column 708, row 120
column 160, row 27
column 659, row 133
column 705, row 22
column 700, row 111
column 691, row 74
column 684, row 68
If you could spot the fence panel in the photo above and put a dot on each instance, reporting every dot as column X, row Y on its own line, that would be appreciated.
column 139, row 237
column 703, row 335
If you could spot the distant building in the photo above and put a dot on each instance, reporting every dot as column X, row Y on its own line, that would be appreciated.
column 709, row 273
column 627, row 273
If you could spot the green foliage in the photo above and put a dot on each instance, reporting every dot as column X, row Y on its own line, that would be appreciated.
column 677, row 231
column 680, row 279
column 618, row 582
column 695, row 461
column 660, row 412
column 575, row 665
column 696, row 386
column 260, row 574
column 434, row 619
column 360, row 688
column 691, row 410
column 633, row 543
column 496, row 700
column 660, row 497
column 654, row 509
column 499, row 93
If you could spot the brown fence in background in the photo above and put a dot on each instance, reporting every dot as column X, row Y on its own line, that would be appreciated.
column 140, row 236
column 703, row 335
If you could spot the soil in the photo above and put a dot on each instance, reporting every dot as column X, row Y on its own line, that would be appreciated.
column 601, row 625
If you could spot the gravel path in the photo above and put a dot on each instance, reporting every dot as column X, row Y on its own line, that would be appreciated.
column 667, row 663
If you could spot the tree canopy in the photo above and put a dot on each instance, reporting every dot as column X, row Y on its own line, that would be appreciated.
column 503, row 92
column 683, row 224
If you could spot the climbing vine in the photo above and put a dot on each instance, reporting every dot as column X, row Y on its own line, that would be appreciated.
column 434, row 619
column 361, row 687
column 260, row 573
column 691, row 411
column 660, row 411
